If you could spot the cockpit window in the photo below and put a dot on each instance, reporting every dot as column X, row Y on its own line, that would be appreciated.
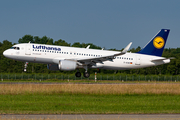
column 16, row 48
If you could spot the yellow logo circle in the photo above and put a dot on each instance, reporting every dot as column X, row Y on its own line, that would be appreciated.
column 158, row 42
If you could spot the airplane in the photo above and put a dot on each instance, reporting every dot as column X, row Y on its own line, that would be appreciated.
column 72, row 58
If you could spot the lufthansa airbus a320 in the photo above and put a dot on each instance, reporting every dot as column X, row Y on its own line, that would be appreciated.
column 71, row 58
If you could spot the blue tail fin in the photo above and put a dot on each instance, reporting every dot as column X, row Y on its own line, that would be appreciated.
column 156, row 45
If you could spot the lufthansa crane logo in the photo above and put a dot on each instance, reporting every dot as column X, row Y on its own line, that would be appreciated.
column 158, row 42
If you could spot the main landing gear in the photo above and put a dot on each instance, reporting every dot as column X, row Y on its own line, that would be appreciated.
column 85, row 74
column 78, row 74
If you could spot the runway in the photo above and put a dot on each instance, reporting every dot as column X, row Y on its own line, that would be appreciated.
column 95, row 117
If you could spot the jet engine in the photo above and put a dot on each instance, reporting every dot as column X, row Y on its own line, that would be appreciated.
column 63, row 65
column 67, row 65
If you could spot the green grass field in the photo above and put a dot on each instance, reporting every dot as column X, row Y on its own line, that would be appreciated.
column 89, row 99
column 90, row 104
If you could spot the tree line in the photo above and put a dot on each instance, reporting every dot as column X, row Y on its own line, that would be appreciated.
column 12, row 66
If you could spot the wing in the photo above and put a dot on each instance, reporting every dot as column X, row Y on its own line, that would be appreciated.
column 94, row 60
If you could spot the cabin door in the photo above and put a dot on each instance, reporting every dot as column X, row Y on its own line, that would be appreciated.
column 28, row 50
column 138, row 60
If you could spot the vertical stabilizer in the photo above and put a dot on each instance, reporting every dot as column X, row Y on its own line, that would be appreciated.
column 156, row 45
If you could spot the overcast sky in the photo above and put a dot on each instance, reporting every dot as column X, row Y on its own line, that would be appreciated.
column 106, row 23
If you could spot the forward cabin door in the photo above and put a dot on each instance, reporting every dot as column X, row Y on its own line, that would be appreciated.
column 138, row 60
column 28, row 50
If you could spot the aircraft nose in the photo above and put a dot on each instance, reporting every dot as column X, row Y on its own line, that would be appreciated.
column 6, row 53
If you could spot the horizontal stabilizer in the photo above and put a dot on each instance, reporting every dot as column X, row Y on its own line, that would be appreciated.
column 161, row 59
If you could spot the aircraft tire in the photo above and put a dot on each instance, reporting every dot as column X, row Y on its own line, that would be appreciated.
column 78, row 74
column 86, row 74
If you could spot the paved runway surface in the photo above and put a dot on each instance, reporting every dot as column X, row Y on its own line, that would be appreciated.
column 95, row 117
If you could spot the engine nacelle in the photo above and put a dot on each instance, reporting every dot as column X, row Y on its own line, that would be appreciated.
column 53, row 67
column 67, row 65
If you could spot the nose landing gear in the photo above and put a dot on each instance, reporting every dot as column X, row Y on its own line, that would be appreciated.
column 25, row 66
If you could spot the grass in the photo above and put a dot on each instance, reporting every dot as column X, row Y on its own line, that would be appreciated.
column 84, row 81
column 91, row 104
column 89, row 99
column 97, row 89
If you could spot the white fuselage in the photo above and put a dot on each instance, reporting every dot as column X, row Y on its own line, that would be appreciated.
column 48, row 54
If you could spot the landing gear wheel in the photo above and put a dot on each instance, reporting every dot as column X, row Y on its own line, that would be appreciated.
column 78, row 74
column 86, row 74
